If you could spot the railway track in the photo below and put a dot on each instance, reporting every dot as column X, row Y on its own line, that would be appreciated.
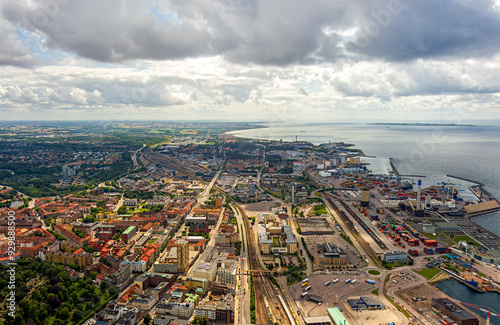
column 262, row 317
column 375, row 238
column 275, row 306
column 262, row 286
column 369, row 251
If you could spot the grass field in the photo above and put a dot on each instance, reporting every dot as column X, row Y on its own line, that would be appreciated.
column 445, row 238
column 429, row 273
column 373, row 272
column 469, row 240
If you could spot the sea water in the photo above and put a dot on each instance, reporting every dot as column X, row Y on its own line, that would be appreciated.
column 469, row 151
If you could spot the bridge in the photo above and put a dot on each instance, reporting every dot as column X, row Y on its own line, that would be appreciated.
column 253, row 271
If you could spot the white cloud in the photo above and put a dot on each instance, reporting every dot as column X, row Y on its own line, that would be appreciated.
column 253, row 59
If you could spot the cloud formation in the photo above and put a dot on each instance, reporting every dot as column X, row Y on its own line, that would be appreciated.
column 228, row 56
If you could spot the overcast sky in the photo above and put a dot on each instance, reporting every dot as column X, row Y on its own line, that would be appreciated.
column 276, row 60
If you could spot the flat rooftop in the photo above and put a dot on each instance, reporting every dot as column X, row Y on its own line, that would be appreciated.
column 480, row 207
column 314, row 226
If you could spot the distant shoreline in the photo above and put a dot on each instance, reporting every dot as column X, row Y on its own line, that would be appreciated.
column 419, row 124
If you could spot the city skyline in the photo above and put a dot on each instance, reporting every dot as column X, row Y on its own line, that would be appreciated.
column 249, row 60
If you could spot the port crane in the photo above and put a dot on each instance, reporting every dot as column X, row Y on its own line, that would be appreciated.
column 481, row 308
column 450, row 188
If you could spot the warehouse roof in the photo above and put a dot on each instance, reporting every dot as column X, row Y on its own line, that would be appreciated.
column 453, row 308
column 337, row 316
column 447, row 226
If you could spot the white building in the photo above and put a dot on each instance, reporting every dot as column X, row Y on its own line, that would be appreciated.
column 136, row 266
column 206, row 310
column 204, row 270
column 227, row 272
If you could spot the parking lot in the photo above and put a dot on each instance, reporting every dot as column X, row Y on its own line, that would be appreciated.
column 332, row 294
column 353, row 257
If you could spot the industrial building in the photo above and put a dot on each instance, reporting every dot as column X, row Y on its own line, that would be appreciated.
column 315, row 226
column 317, row 320
column 314, row 298
column 365, row 198
column 336, row 316
column 395, row 257
column 449, row 228
column 330, row 254
column 454, row 311
column 365, row 303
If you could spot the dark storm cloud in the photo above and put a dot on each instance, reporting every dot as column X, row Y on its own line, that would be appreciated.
column 428, row 28
column 261, row 32
column 278, row 32
column 104, row 30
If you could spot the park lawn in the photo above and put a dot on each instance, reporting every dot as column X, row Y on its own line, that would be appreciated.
column 445, row 238
column 320, row 209
column 429, row 273
column 457, row 239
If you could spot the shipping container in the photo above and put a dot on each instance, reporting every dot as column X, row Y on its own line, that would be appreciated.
column 430, row 242
column 413, row 252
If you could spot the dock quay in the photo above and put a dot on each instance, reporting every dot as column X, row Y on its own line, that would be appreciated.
column 463, row 280
column 465, row 179
column 395, row 171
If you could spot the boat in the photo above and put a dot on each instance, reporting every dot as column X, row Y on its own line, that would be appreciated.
column 406, row 185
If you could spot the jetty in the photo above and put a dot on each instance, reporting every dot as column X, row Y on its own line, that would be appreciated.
column 465, row 179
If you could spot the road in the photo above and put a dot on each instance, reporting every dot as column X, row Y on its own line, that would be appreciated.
column 118, row 205
column 134, row 156
column 206, row 193
column 404, row 285
column 298, row 237
column 242, row 312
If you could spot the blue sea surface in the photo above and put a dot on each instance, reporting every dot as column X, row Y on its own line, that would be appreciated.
column 472, row 152
column 458, row 291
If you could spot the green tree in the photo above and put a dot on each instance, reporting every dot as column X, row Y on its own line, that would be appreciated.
column 147, row 319
column 104, row 286
column 63, row 313
column 113, row 291
column 18, row 320
column 77, row 316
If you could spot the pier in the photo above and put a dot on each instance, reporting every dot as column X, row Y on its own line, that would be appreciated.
column 463, row 280
column 395, row 171
column 465, row 179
